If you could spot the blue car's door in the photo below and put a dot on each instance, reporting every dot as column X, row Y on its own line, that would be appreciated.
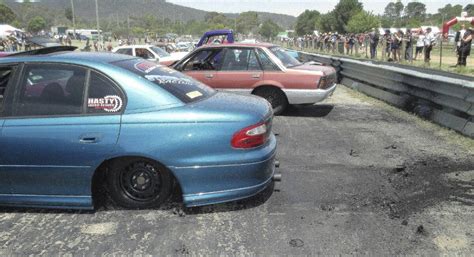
column 7, row 79
column 55, row 137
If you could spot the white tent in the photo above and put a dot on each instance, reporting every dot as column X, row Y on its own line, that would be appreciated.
column 434, row 29
column 7, row 30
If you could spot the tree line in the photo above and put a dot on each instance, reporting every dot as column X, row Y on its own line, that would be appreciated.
column 349, row 16
column 35, row 18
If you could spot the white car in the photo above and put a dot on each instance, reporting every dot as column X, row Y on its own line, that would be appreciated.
column 150, row 52
column 184, row 46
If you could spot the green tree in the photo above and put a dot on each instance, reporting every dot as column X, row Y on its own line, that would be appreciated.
column 415, row 10
column 269, row 29
column 36, row 24
column 385, row 22
column 306, row 22
column 327, row 22
column 450, row 11
column 393, row 13
column 68, row 14
column 6, row 14
column 394, row 10
column 362, row 22
column 469, row 9
column 247, row 22
column 344, row 11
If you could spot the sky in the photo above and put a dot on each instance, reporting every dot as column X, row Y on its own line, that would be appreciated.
column 295, row 7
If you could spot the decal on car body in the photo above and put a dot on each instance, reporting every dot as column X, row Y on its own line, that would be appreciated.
column 110, row 103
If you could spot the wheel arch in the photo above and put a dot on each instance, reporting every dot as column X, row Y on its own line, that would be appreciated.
column 272, row 86
column 99, row 174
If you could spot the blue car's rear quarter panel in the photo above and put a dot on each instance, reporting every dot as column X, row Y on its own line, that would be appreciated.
column 199, row 153
column 222, row 183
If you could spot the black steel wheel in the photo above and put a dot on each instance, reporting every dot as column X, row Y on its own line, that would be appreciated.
column 275, row 97
column 138, row 183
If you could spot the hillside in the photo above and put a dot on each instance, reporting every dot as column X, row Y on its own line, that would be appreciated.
column 113, row 10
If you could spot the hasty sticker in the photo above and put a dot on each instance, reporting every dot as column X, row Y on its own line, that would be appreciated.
column 110, row 103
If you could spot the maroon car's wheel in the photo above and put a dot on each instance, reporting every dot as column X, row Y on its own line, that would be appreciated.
column 138, row 183
column 275, row 97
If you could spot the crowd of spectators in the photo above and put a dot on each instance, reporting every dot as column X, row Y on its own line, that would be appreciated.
column 396, row 46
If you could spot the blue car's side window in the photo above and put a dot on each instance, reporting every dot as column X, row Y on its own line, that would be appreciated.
column 50, row 89
column 103, row 96
column 6, row 74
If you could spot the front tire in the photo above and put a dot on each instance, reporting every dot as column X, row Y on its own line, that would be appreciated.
column 275, row 97
column 138, row 183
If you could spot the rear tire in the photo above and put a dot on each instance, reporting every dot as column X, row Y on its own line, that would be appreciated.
column 275, row 97
column 138, row 183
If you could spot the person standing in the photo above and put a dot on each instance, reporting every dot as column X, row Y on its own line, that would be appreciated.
column 459, row 36
column 396, row 44
column 465, row 47
column 373, row 41
column 408, row 45
column 420, row 44
column 388, row 43
column 430, row 39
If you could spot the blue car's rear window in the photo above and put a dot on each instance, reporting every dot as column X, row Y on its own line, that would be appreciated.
column 181, row 86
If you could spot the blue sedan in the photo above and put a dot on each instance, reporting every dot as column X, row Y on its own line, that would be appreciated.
column 68, row 119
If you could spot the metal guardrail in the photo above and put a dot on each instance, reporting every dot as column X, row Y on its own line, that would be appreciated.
column 443, row 97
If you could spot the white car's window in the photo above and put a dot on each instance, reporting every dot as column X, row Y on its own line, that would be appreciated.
column 127, row 51
column 160, row 52
column 144, row 53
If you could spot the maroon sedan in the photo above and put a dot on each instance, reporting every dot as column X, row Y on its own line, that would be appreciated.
column 261, row 69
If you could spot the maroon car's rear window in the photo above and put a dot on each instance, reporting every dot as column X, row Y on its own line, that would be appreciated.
column 181, row 86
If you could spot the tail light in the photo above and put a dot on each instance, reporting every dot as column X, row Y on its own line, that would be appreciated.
column 326, row 81
column 252, row 136
column 322, row 82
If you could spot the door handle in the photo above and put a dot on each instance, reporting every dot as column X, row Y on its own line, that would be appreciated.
column 89, row 138
column 209, row 76
column 256, row 76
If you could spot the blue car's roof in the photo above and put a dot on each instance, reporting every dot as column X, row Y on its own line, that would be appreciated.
column 92, row 57
column 142, row 94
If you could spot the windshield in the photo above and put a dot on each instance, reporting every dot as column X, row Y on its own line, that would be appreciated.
column 287, row 60
column 181, row 86
column 160, row 52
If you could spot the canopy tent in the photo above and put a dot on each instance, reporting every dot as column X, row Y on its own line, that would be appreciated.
column 7, row 30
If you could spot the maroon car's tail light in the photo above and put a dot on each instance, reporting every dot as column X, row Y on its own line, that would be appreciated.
column 322, row 83
column 252, row 136
column 326, row 81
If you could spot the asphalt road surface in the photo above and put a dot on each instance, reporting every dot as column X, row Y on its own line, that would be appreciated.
column 359, row 177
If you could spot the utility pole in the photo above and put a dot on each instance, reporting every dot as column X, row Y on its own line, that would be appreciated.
column 73, row 18
column 97, row 17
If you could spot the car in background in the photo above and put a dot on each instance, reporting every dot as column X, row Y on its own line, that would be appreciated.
column 70, row 121
column 184, row 46
column 292, row 53
column 168, row 47
column 264, row 70
column 249, row 41
column 3, row 54
column 150, row 52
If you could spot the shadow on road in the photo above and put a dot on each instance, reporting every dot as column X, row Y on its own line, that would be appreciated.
column 317, row 111
column 248, row 203
column 175, row 204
